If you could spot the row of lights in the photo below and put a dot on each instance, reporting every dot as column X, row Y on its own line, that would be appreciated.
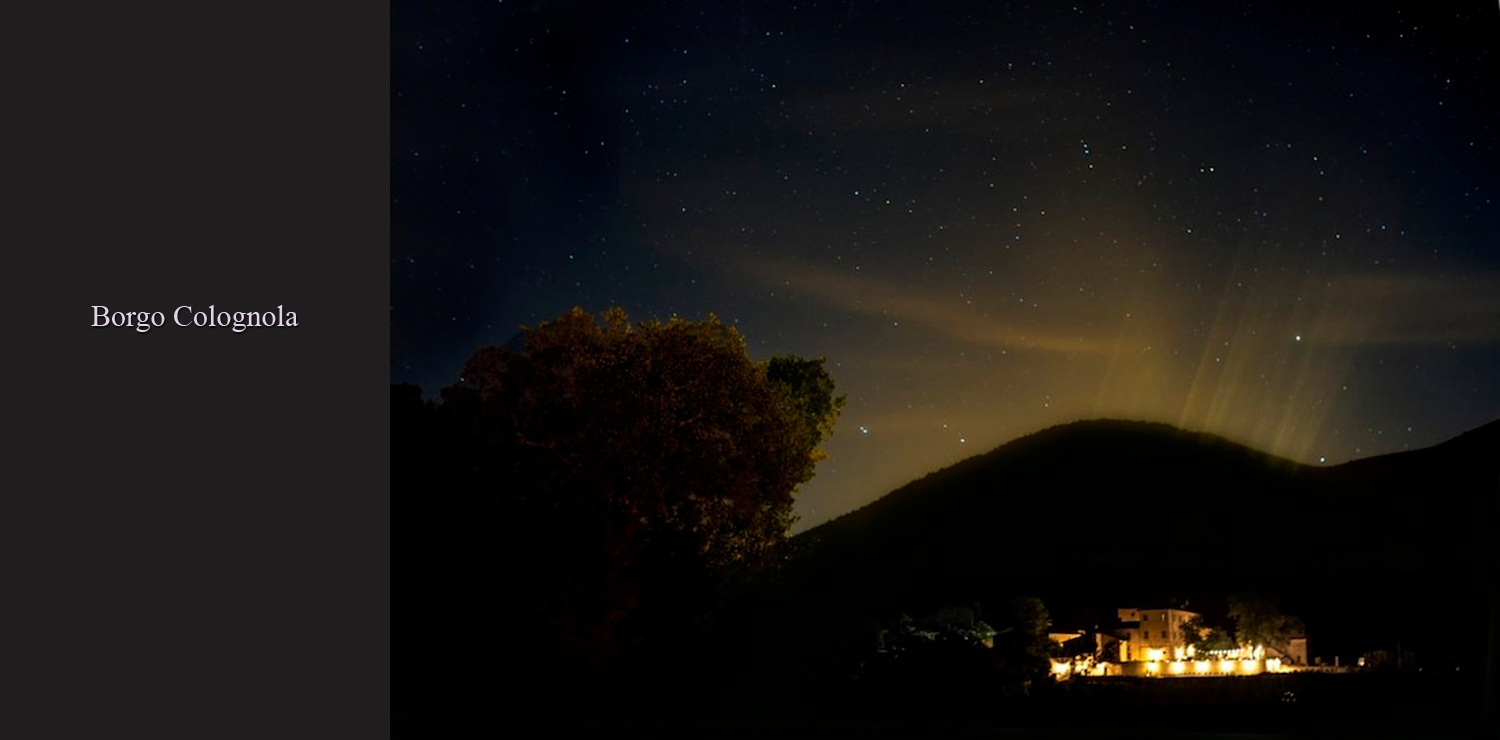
column 1082, row 668
column 1178, row 667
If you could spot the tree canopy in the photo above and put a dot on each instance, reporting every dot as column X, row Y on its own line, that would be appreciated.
column 631, row 466
column 1258, row 620
column 1201, row 635
column 952, row 657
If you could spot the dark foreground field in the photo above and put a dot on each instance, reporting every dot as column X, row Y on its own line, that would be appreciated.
column 1356, row 705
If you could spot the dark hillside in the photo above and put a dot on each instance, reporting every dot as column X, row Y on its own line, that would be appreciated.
column 1096, row 515
column 1420, row 528
column 1103, row 503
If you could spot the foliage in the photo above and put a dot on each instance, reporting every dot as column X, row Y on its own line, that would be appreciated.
column 1199, row 633
column 949, row 625
column 633, row 467
column 1259, row 621
column 809, row 390
column 1023, row 644
column 952, row 656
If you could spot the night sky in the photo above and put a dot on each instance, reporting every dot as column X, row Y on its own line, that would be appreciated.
column 1274, row 222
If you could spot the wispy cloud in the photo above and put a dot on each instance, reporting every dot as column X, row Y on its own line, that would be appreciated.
column 944, row 315
column 1423, row 310
column 1414, row 310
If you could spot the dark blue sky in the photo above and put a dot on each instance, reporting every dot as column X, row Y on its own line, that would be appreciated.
column 1272, row 221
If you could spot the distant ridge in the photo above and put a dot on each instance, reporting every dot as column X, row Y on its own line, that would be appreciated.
column 1083, row 434
column 1488, row 434
column 1469, row 459
column 1075, row 501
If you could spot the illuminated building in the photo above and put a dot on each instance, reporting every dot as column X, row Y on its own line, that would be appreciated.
column 1153, row 634
column 1149, row 638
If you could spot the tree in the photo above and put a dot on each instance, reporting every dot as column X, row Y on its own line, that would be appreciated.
column 633, row 469
column 1021, row 644
column 1200, row 635
column 951, row 657
column 1259, row 621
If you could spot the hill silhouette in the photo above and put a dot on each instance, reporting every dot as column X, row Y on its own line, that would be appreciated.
column 1095, row 515
column 1470, row 461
